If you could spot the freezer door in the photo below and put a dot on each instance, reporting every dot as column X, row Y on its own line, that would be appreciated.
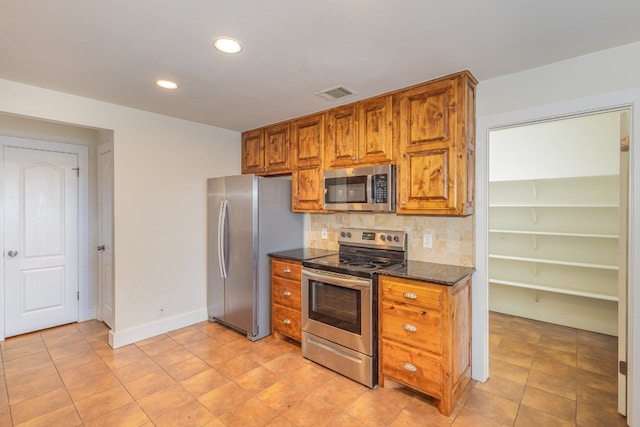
column 240, row 244
column 215, row 279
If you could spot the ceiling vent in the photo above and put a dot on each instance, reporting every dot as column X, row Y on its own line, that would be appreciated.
column 335, row 93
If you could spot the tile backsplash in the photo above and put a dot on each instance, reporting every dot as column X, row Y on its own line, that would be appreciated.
column 452, row 237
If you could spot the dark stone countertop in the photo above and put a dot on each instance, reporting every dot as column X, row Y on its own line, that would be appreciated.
column 442, row 274
column 301, row 254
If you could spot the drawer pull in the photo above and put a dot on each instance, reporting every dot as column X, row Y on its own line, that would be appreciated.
column 410, row 295
column 409, row 367
column 409, row 327
column 286, row 293
column 286, row 321
column 286, row 270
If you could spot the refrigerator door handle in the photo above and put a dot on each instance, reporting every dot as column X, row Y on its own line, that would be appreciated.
column 222, row 256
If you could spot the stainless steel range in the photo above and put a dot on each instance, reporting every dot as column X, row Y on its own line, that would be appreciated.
column 339, row 301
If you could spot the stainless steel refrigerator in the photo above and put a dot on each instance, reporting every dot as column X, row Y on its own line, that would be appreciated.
column 248, row 217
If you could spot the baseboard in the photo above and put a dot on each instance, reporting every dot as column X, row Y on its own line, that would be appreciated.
column 148, row 330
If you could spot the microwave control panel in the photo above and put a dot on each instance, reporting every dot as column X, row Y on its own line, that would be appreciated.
column 379, row 188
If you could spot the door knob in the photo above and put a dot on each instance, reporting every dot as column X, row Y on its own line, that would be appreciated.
column 12, row 253
column 101, row 247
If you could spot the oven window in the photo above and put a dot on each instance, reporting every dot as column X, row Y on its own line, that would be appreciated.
column 336, row 306
column 352, row 189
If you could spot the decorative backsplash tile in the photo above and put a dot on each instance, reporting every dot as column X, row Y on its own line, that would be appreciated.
column 453, row 239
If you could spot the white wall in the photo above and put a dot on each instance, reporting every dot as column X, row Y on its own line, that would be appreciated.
column 541, row 150
column 161, row 166
column 596, row 81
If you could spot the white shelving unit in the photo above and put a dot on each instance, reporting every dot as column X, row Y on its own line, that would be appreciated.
column 553, row 250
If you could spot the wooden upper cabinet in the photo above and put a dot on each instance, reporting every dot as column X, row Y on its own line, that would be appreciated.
column 341, row 137
column 437, row 146
column 308, row 143
column 375, row 124
column 267, row 151
column 277, row 144
column 253, row 152
column 360, row 134
column 308, row 140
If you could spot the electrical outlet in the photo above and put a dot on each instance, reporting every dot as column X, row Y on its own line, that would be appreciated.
column 325, row 235
column 162, row 310
column 427, row 240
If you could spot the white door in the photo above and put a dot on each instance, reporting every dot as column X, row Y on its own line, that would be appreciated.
column 105, row 232
column 41, row 239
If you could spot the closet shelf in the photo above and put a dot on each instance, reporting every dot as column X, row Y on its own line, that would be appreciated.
column 560, row 205
column 553, row 233
column 555, row 262
column 592, row 295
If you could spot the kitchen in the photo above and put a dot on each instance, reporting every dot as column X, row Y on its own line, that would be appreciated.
column 151, row 271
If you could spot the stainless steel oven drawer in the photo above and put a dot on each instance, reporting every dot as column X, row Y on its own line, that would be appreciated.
column 354, row 365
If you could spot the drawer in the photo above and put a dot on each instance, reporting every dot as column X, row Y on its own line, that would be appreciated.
column 411, row 325
column 422, row 294
column 412, row 367
column 286, row 292
column 287, row 269
column 287, row 321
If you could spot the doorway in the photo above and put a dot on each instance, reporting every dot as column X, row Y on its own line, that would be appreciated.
column 557, row 224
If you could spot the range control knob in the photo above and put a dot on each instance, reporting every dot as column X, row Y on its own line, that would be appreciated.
column 396, row 238
column 382, row 237
column 342, row 234
column 389, row 238
column 349, row 234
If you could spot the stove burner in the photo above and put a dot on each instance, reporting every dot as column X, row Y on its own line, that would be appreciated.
column 361, row 265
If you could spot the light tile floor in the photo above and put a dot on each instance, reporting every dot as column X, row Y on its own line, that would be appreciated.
column 207, row 375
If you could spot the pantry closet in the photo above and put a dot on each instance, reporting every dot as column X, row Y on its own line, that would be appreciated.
column 557, row 220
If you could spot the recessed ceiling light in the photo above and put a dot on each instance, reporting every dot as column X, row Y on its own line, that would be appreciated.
column 167, row 84
column 227, row 45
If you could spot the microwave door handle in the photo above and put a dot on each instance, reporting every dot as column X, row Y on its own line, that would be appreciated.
column 342, row 281
column 371, row 184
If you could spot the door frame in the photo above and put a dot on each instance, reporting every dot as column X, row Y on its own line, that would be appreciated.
column 102, row 148
column 85, row 312
column 629, row 99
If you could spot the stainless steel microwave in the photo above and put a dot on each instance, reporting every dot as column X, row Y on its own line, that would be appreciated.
column 369, row 188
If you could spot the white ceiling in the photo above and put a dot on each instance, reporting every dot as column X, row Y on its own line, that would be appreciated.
column 114, row 50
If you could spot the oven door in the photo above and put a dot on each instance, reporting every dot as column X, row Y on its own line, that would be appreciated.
column 338, row 308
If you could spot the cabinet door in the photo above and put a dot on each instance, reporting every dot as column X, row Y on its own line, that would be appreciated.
column 277, row 149
column 427, row 132
column 306, row 186
column 306, row 189
column 437, row 142
column 341, row 143
column 308, row 139
column 375, row 124
column 253, row 152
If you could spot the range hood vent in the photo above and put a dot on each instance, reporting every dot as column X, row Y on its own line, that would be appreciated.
column 335, row 93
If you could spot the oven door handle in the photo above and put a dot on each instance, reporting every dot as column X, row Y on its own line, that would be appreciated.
column 347, row 282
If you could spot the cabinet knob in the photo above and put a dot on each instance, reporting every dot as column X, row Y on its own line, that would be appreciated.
column 409, row 327
column 409, row 367
column 410, row 295
column 403, row 202
column 286, row 321
column 286, row 293
column 286, row 270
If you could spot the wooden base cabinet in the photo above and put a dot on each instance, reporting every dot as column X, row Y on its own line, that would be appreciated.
column 285, row 294
column 425, row 337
